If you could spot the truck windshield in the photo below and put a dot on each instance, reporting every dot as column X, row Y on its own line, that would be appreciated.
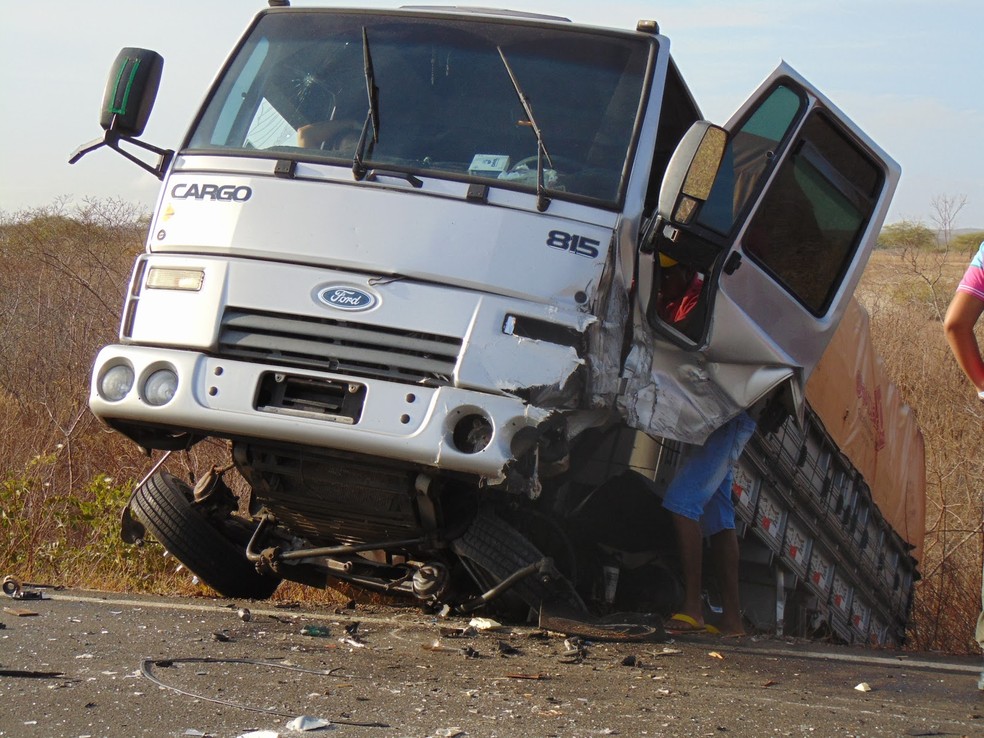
column 445, row 103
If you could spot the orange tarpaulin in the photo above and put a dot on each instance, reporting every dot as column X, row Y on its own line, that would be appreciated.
column 871, row 424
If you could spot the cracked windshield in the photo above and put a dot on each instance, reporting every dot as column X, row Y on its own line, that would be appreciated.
column 492, row 101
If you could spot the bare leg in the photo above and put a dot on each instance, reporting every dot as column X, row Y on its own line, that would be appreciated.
column 724, row 551
column 689, row 543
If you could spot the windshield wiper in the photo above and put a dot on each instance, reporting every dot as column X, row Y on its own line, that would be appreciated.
column 542, row 201
column 372, row 117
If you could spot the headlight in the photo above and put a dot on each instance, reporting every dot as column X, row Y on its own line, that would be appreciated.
column 116, row 382
column 169, row 278
column 160, row 387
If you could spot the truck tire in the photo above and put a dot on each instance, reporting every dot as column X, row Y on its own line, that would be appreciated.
column 492, row 549
column 164, row 505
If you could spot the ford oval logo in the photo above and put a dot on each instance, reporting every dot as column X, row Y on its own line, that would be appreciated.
column 347, row 297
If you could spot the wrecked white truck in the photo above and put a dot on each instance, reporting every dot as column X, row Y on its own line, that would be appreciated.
column 414, row 267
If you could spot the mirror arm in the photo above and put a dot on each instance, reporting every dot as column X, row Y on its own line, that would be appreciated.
column 112, row 140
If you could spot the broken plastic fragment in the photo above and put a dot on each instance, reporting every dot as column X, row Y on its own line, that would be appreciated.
column 485, row 624
column 306, row 722
column 318, row 631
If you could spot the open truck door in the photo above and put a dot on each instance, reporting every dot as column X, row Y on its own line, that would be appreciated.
column 761, row 234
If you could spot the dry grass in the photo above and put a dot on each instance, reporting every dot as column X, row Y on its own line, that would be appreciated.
column 64, row 478
column 906, row 295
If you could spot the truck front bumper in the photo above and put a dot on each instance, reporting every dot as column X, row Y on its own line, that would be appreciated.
column 445, row 427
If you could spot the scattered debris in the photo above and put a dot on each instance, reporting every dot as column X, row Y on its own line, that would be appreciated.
column 770, row 683
column 221, row 636
column 244, row 614
column 574, row 650
column 449, row 733
column 667, row 651
column 716, row 655
column 536, row 677
column 12, row 587
column 146, row 669
column 316, row 631
column 28, row 674
column 507, row 649
column 485, row 624
column 306, row 722
column 448, row 632
column 863, row 687
column 629, row 660
column 19, row 612
column 469, row 653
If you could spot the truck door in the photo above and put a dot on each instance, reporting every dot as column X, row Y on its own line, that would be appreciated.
column 765, row 265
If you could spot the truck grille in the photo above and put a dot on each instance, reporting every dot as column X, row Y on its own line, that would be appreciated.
column 338, row 346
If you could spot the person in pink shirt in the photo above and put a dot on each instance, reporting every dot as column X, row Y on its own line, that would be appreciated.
column 965, row 309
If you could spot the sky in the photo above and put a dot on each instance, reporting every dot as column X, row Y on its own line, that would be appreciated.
column 908, row 72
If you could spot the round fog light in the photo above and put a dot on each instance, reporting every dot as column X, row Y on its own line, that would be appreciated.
column 160, row 387
column 472, row 433
column 116, row 382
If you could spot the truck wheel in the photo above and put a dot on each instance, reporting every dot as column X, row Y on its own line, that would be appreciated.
column 164, row 504
column 492, row 549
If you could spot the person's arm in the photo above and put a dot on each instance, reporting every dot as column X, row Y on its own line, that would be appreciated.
column 958, row 326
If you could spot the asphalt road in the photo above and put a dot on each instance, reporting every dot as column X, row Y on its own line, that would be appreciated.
column 95, row 664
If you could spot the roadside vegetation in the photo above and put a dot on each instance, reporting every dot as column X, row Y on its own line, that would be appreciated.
column 64, row 478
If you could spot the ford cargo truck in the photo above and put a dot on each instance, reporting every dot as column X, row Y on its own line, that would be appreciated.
column 457, row 287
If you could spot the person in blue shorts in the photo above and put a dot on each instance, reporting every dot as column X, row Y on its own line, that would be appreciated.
column 700, row 503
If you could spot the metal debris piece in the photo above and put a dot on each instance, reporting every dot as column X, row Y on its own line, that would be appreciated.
column 12, row 587
column 574, row 650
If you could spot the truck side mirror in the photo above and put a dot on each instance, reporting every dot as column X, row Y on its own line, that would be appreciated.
column 691, row 172
column 129, row 97
column 130, row 91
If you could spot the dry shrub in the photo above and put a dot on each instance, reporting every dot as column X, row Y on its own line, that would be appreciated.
column 909, row 336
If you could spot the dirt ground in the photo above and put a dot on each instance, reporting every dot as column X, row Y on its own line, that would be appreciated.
column 94, row 664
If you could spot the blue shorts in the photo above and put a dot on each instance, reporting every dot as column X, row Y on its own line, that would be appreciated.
column 701, row 489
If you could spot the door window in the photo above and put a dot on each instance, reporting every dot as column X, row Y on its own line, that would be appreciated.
column 812, row 218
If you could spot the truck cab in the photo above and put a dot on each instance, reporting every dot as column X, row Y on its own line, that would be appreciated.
column 412, row 265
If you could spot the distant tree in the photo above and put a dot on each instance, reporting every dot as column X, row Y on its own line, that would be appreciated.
column 945, row 211
column 967, row 243
column 907, row 235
